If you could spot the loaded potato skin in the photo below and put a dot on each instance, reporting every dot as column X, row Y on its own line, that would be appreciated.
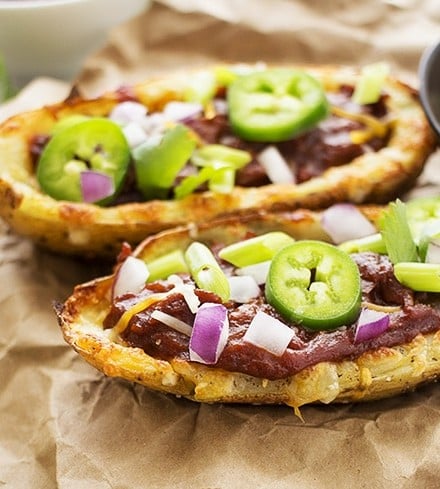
column 144, row 351
column 88, row 229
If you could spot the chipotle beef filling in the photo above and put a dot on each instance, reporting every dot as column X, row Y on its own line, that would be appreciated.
column 307, row 348
column 308, row 154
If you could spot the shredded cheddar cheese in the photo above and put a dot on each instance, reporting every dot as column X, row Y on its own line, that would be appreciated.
column 377, row 307
column 123, row 321
column 374, row 127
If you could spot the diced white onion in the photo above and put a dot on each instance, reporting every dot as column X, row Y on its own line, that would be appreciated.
column 343, row 222
column 209, row 333
column 154, row 124
column 269, row 333
column 127, row 112
column 187, row 290
column 221, row 106
column 134, row 134
column 243, row 288
column 371, row 324
column 337, row 138
column 258, row 271
column 178, row 111
column 433, row 251
column 275, row 166
column 172, row 322
column 130, row 277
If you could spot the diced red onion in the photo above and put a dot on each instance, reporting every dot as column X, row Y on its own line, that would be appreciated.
column 371, row 324
column 209, row 333
column 243, row 288
column 275, row 166
column 269, row 333
column 172, row 322
column 343, row 222
column 179, row 111
column 433, row 251
column 127, row 112
column 187, row 290
column 95, row 185
column 258, row 271
column 134, row 134
column 130, row 277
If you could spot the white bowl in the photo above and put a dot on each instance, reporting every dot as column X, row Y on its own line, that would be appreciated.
column 53, row 37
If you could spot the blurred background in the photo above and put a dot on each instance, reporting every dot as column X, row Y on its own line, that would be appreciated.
column 103, row 43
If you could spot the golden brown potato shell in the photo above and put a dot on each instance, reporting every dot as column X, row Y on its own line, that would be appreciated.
column 86, row 229
column 374, row 375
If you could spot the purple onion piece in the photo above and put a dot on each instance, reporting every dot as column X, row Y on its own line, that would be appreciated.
column 370, row 325
column 95, row 185
column 209, row 334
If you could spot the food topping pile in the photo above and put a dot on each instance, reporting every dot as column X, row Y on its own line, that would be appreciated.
column 251, row 128
column 269, row 305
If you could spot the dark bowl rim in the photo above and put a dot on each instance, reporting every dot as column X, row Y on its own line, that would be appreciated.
column 425, row 65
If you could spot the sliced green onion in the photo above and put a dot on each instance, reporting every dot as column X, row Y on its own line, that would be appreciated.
column 198, row 256
column 424, row 208
column 166, row 265
column 201, row 87
column 369, row 86
column 393, row 226
column 255, row 250
column 206, row 271
column 374, row 243
column 190, row 183
column 218, row 166
column 214, row 280
column 224, row 75
column 222, row 181
column 422, row 277
column 421, row 212
column 211, row 154
column 428, row 233
column 157, row 165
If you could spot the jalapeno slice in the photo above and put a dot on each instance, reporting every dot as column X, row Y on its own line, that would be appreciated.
column 93, row 144
column 275, row 105
column 315, row 284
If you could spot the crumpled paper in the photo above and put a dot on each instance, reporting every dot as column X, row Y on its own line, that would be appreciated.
column 64, row 425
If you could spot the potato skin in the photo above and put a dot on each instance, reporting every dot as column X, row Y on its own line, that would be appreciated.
column 373, row 375
column 88, row 230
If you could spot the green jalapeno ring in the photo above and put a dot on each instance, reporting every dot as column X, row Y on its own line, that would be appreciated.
column 275, row 105
column 315, row 284
column 95, row 143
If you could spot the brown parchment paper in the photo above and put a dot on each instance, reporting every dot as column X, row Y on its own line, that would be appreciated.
column 64, row 425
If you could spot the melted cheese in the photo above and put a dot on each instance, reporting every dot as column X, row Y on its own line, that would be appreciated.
column 374, row 127
column 123, row 321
